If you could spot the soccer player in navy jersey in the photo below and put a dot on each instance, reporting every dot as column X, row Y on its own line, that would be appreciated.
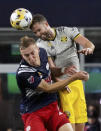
column 39, row 108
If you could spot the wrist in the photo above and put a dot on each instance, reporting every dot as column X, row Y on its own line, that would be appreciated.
column 75, row 76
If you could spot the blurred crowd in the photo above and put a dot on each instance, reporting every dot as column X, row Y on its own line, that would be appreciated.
column 93, row 123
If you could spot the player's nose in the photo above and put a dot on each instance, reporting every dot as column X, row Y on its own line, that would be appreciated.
column 38, row 34
column 31, row 57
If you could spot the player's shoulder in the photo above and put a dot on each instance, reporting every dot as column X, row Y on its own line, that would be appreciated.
column 40, row 41
column 65, row 28
column 43, row 52
column 42, row 44
column 24, row 69
column 60, row 28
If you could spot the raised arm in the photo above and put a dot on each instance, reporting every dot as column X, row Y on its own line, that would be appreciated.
column 88, row 46
column 63, row 83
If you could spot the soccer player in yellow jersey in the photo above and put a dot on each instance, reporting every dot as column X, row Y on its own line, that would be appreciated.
column 60, row 43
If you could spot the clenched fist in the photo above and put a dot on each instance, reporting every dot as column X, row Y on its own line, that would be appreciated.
column 82, row 75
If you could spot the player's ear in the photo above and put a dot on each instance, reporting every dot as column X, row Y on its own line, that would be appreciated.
column 21, row 53
column 46, row 23
column 20, row 49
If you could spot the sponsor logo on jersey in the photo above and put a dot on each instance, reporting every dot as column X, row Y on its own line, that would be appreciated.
column 31, row 79
column 63, row 38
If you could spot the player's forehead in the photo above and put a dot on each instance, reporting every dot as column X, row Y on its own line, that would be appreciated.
column 38, row 25
column 29, row 49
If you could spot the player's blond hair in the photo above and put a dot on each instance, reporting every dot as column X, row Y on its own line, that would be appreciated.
column 26, row 42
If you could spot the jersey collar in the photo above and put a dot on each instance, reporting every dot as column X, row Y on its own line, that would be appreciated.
column 54, row 35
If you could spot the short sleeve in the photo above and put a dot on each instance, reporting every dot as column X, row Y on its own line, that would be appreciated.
column 72, row 32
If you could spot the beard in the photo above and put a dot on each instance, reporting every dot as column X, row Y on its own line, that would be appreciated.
column 47, row 36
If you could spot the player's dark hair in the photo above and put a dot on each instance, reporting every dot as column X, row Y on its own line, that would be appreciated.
column 37, row 18
column 26, row 42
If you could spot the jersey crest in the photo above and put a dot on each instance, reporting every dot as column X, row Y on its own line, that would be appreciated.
column 64, row 39
column 49, row 44
column 31, row 79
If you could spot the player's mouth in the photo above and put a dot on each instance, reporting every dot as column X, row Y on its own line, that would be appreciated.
column 46, row 36
column 35, row 62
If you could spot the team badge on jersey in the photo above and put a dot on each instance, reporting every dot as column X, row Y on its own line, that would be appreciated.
column 49, row 44
column 31, row 79
column 67, row 113
column 63, row 38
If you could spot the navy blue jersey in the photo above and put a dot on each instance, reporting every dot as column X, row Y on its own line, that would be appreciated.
column 28, row 78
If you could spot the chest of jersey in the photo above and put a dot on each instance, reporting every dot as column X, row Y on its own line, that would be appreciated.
column 61, row 43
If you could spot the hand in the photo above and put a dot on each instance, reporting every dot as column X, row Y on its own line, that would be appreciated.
column 70, row 70
column 68, row 89
column 86, row 51
column 82, row 75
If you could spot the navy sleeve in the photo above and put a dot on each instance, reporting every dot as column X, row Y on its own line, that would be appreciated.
column 28, row 80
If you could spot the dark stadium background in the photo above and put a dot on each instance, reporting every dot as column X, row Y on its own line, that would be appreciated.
column 59, row 12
